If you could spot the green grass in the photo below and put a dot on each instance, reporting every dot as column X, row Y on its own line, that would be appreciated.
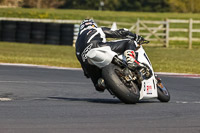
column 113, row 16
column 179, row 60
column 50, row 55
column 176, row 58
column 99, row 15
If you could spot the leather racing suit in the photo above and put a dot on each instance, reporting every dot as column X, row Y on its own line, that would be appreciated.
column 96, row 37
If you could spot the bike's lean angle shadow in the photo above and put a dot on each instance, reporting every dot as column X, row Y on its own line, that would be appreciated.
column 98, row 100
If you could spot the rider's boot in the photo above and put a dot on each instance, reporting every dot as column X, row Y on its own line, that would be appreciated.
column 100, row 85
column 130, row 59
column 133, row 63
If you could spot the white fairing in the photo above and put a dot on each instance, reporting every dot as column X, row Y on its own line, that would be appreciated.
column 100, row 57
column 103, row 56
column 149, row 87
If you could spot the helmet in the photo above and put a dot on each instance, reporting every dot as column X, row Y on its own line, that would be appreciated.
column 87, row 23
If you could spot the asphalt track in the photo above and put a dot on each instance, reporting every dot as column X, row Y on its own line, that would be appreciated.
column 40, row 100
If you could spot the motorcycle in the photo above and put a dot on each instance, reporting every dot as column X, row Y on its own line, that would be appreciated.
column 128, row 84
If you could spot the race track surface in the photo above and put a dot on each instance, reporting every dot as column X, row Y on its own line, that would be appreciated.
column 39, row 100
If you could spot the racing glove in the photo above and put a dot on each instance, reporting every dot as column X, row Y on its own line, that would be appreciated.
column 127, row 34
column 139, row 39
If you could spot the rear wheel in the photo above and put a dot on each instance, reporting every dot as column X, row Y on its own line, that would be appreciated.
column 163, row 93
column 120, row 83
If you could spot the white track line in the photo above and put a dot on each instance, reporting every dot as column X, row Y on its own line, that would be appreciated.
column 39, row 66
column 184, row 75
column 5, row 99
column 41, row 82
column 186, row 102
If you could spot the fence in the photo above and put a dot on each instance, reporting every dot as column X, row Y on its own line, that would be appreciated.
column 160, row 33
column 169, row 30
column 192, row 28
column 156, row 31
column 65, row 32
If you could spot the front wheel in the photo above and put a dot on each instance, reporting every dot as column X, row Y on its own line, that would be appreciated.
column 163, row 93
column 116, row 81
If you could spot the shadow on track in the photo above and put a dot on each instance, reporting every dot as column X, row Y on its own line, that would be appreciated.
column 97, row 100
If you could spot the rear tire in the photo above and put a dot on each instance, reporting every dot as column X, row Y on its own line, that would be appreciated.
column 126, row 94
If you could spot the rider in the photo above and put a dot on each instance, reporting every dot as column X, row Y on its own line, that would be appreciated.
column 91, row 36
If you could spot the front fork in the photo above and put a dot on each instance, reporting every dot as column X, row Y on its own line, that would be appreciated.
column 160, row 85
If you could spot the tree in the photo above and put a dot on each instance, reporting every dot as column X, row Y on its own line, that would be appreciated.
column 184, row 5
column 154, row 5
column 15, row 3
column 52, row 3
column 112, row 4
column 83, row 4
column 2, row 1
column 43, row 3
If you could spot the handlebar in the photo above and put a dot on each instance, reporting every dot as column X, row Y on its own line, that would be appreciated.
column 144, row 42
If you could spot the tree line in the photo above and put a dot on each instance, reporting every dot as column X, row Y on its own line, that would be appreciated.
column 114, row 5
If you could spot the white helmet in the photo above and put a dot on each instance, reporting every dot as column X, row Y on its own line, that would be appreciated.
column 86, row 24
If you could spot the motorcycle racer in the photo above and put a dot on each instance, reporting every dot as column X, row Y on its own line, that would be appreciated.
column 91, row 36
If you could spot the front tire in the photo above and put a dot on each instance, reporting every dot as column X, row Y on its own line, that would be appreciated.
column 113, row 76
column 163, row 93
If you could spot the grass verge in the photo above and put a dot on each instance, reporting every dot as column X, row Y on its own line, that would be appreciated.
column 76, row 14
column 113, row 16
column 176, row 59
column 50, row 55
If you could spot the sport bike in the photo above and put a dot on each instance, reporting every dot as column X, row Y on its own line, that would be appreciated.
column 128, row 84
